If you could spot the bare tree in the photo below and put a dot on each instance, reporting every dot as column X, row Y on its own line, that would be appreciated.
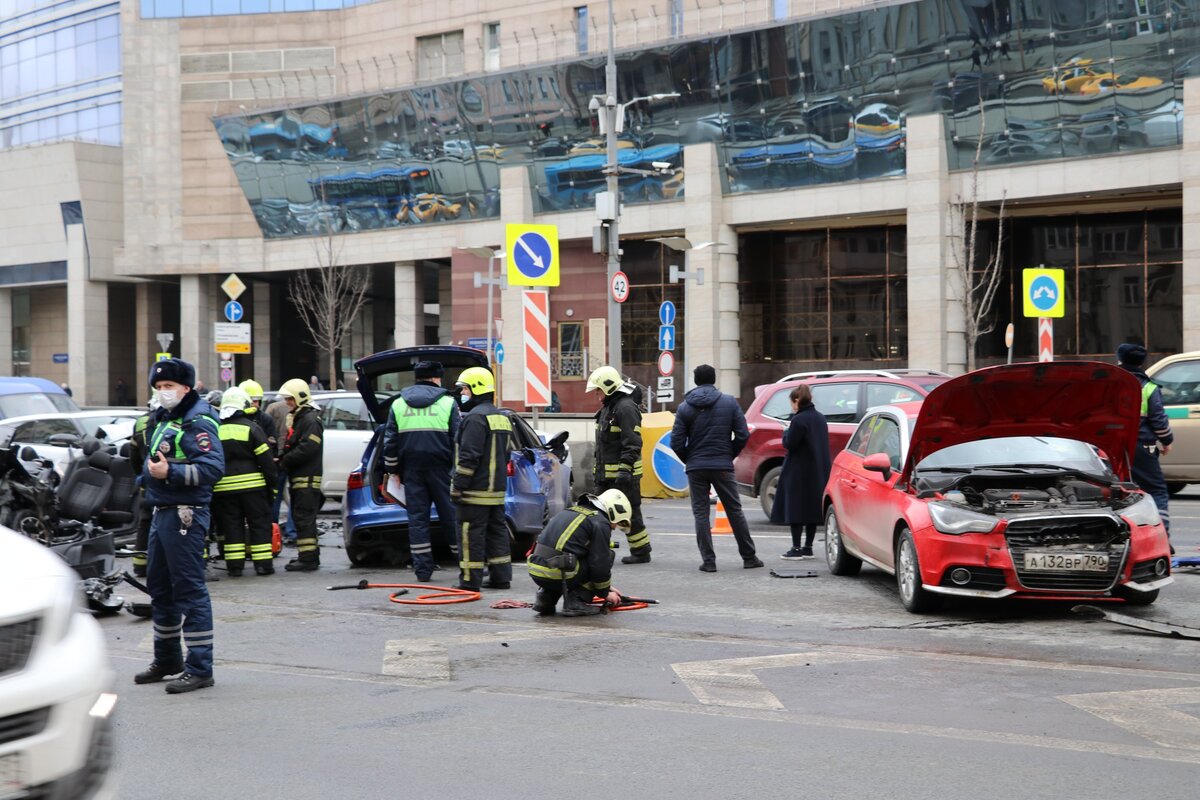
column 977, row 282
column 330, row 297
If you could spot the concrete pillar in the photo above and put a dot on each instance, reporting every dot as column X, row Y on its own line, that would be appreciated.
column 6, row 331
column 87, row 329
column 1191, row 222
column 711, row 313
column 445, row 306
column 935, row 323
column 261, row 334
column 516, row 198
column 410, row 305
column 197, row 313
column 148, row 299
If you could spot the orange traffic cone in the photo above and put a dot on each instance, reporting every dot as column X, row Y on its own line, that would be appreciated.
column 722, row 523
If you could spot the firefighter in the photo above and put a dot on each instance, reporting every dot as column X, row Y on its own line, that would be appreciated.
column 1154, row 433
column 303, row 452
column 572, row 558
column 480, row 476
column 139, row 450
column 418, row 448
column 240, row 499
column 257, row 415
column 186, row 460
column 619, row 453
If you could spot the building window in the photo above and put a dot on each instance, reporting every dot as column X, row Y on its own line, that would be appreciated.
column 779, row 9
column 675, row 8
column 440, row 55
column 570, row 350
column 491, row 46
column 21, row 327
column 581, row 30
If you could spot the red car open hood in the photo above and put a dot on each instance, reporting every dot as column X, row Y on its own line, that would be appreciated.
column 1089, row 401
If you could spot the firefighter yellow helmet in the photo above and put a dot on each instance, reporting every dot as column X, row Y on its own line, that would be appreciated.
column 296, row 389
column 478, row 380
column 252, row 388
column 617, row 506
column 606, row 379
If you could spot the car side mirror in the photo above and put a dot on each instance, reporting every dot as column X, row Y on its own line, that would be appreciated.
column 879, row 462
column 28, row 454
column 63, row 440
column 557, row 440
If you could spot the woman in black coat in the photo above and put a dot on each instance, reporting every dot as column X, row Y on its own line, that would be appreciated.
column 805, row 472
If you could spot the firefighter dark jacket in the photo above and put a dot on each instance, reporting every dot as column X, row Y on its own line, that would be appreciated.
column 304, row 451
column 586, row 533
column 618, row 437
column 482, row 453
column 249, row 461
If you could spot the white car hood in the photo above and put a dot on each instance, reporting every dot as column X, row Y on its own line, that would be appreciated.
column 31, row 576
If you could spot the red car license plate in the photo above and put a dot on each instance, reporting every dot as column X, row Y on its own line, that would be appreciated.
column 1067, row 562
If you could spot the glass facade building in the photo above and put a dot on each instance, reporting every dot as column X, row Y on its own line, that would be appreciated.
column 60, row 72
column 164, row 9
column 792, row 104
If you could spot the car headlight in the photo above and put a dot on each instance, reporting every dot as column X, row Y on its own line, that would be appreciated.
column 1143, row 512
column 956, row 520
column 67, row 601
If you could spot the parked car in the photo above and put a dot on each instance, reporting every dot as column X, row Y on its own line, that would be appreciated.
column 348, row 429
column 24, row 396
column 1071, row 76
column 55, row 680
column 56, row 436
column 372, row 525
column 1010, row 481
column 1179, row 377
column 1111, row 82
column 841, row 395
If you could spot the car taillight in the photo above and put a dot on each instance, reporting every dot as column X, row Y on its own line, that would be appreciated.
column 355, row 481
column 511, row 471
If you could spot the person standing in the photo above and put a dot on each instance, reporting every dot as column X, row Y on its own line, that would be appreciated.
column 241, row 502
column 806, row 466
column 572, row 558
column 121, row 393
column 1154, row 433
column 303, row 454
column 185, row 461
column 709, row 432
column 281, row 420
column 257, row 415
column 418, row 449
column 478, row 483
column 619, row 453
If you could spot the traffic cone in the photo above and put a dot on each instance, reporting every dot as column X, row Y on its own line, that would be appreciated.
column 722, row 522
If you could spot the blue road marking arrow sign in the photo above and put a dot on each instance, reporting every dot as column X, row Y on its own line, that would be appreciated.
column 666, row 313
column 666, row 337
column 234, row 311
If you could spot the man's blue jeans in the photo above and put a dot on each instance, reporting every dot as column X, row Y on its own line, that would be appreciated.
column 289, row 528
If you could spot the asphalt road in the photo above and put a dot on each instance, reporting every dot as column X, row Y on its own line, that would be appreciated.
column 737, row 685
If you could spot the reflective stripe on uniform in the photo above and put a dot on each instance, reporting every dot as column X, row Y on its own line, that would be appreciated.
column 234, row 433
column 1147, row 389
column 435, row 417
column 238, row 483
column 306, row 482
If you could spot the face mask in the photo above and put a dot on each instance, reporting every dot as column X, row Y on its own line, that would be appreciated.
column 169, row 398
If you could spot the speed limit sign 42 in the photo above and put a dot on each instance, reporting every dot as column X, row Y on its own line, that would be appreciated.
column 620, row 287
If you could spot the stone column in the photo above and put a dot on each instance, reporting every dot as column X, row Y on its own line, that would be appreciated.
column 410, row 305
column 262, row 335
column 87, row 333
column 197, row 313
column 935, row 323
column 1191, row 219
column 516, row 199
column 148, row 298
column 711, row 313
column 6, row 331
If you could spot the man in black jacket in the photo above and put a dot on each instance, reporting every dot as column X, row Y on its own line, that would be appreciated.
column 710, row 430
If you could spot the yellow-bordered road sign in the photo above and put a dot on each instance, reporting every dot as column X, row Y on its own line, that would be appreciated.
column 1043, row 292
column 532, row 254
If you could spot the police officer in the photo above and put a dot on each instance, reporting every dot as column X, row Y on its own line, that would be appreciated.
column 240, row 500
column 619, row 453
column 478, row 483
column 256, row 413
column 139, row 451
column 1154, row 433
column 418, row 448
column 185, row 461
column 572, row 558
column 303, row 453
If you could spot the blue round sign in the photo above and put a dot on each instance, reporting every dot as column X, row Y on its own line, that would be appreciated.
column 532, row 255
column 667, row 467
column 499, row 353
column 1043, row 293
column 666, row 313
column 234, row 311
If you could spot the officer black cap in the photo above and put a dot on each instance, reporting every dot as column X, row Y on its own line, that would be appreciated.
column 428, row 369
column 173, row 369
column 1133, row 355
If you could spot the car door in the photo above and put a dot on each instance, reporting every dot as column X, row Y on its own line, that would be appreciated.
column 348, row 430
column 847, row 484
column 880, row 507
column 536, row 481
column 1180, row 384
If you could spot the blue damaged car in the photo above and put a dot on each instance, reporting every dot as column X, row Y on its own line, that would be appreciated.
column 376, row 527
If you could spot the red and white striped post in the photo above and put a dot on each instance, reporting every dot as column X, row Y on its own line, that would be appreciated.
column 535, row 315
column 1045, row 339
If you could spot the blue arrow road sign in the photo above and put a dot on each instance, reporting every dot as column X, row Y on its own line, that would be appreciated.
column 667, row 466
column 1043, row 293
column 666, row 313
column 499, row 353
column 666, row 337
column 532, row 255
column 234, row 311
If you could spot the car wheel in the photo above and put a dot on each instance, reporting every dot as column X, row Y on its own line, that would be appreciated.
column 1133, row 598
column 840, row 562
column 908, row 576
column 766, row 489
column 358, row 558
column 1175, row 487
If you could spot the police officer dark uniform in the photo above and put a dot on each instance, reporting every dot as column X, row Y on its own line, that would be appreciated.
column 185, row 461
column 240, row 500
column 619, row 453
column 572, row 558
column 418, row 448
column 1154, row 433
column 303, row 454
column 478, row 483
column 139, row 451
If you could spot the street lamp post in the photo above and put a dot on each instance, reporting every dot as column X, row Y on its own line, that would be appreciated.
column 490, row 281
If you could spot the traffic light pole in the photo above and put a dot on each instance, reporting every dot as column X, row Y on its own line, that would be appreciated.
column 614, row 243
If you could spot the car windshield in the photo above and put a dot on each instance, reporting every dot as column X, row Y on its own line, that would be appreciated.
column 1018, row 451
column 32, row 403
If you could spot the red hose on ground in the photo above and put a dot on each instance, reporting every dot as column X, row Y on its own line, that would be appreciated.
column 438, row 596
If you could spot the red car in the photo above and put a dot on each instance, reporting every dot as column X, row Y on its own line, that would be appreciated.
column 1010, row 481
column 843, row 397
